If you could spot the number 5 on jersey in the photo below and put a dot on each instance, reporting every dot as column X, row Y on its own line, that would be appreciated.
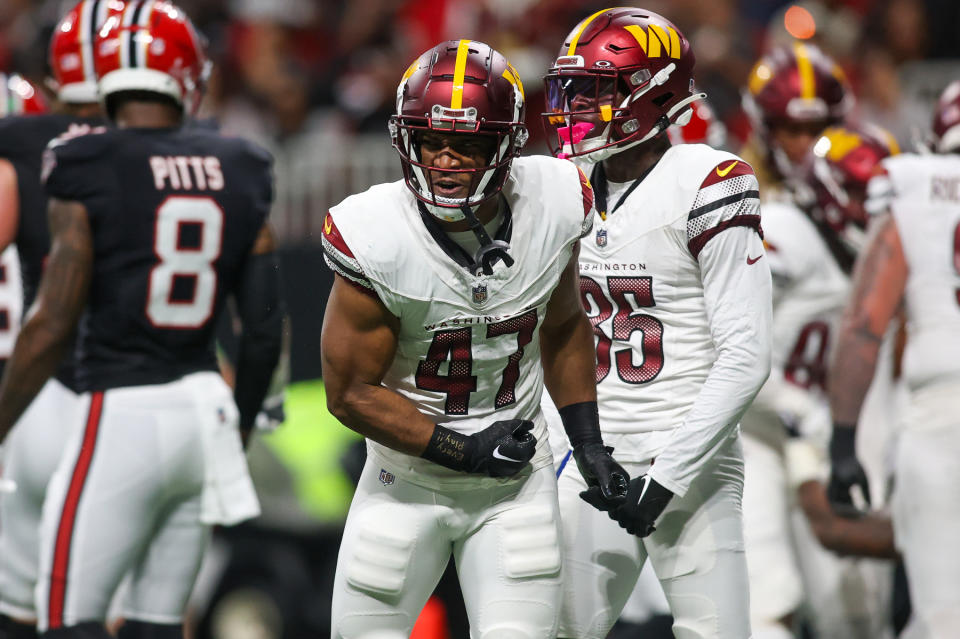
column 629, row 294
column 187, row 241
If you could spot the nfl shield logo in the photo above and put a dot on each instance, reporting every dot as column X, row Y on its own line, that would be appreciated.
column 601, row 237
column 386, row 478
column 479, row 294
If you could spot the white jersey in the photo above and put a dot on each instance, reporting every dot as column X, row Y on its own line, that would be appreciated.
column 468, row 352
column 11, row 300
column 926, row 206
column 666, row 299
column 810, row 291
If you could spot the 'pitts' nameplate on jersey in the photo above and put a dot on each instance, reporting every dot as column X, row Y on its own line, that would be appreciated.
column 643, row 291
column 468, row 352
column 174, row 214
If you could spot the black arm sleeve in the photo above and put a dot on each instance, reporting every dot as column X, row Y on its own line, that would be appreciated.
column 261, row 308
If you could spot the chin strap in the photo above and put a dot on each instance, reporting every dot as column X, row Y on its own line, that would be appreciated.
column 490, row 250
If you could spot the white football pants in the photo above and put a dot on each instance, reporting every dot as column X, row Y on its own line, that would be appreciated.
column 503, row 534
column 697, row 553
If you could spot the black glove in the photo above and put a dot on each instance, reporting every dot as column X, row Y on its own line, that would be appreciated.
column 845, row 470
column 502, row 449
column 606, row 479
column 644, row 502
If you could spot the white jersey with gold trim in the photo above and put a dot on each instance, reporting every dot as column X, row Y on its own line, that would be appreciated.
column 925, row 201
column 469, row 348
column 679, row 298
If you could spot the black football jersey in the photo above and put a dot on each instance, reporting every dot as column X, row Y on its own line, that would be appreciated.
column 173, row 214
column 22, row 141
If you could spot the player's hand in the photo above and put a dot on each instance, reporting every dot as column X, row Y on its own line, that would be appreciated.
column 845, row 471
column 502, row 449
column 645, row 501
column 606, row 479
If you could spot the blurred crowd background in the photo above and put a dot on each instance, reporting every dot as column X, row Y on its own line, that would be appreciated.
column 314, row 81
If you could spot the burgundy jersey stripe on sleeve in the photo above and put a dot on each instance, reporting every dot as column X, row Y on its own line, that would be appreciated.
column 729, row 196
column 331, row 235
column 726, row 170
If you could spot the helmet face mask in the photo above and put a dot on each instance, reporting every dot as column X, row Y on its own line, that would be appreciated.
column 794, row 93
column 622, row 77
column 838, row 167
column 946, row 120
column 464, row 94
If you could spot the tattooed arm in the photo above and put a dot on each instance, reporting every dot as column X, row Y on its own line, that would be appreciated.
column 878, row 284
column 54, row 314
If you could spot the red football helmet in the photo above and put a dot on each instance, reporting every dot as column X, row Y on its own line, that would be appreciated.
column 459, row 87
column 151, row 45
column 71, row 49
column 622, row 77
column 703, row 128
column 946, row 120
column 795, row 86
column 19, row 96
column 838, row 168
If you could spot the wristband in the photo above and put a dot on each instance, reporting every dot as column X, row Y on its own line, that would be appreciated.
column 449, row 448
column 582, row 423
column 843, row 441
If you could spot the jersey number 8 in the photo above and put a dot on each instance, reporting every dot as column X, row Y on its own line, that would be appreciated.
column 187, row 241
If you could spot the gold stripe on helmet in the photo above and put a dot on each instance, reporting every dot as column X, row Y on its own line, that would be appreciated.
column 583, row 27
column 459, row 71
column 808, row 84
column 513, row 77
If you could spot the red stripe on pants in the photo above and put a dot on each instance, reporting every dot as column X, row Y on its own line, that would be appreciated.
column 61, row 550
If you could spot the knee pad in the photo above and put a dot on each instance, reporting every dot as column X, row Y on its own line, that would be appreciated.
column 133, row 629
column 86, row 630
column 10, row 629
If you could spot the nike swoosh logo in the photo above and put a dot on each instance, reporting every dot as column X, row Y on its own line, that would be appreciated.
column 753, row 260
column 498, row 455
column 723, row 172
column 643, row 491
column 327, row 225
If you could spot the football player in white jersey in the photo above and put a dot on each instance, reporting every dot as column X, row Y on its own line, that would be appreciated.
column 912, row 258
column 455, row 300
column 677, row 288
column 792, row 94
column 811, row 252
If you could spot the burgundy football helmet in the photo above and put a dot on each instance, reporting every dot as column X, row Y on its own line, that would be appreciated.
column 795, row 85
column 151, row 45
column 946, row 120
column 459, row 87
column 622, row 77
column 71, row 50
column 838, row 168
column 19, row 96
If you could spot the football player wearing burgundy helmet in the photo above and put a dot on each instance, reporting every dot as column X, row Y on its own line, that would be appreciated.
column 152, row 226
column 911, row 259
column 792, row 94
column 32, row 451
column 454, row 302
column 678, row 293
column 785, row 431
